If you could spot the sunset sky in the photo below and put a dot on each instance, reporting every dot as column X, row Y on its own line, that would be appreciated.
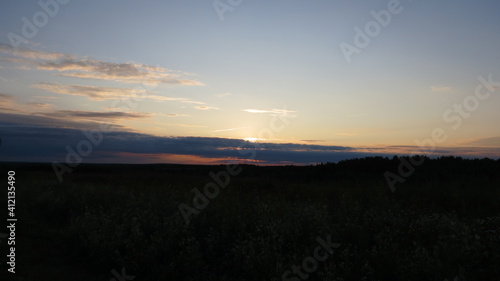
column 191, row 81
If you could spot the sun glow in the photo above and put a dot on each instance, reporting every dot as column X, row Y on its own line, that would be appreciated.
column 252, row 139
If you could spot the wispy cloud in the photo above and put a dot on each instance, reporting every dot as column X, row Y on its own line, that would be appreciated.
column 190, row 101
column 39, row 106
column 4, row 97
column 7, row 103
column 45, row 98
column 22, row 119
column 486, row 142
column 441, row 89
column 29, row 53
column 124, row 72
column 39, row 113
column 175, row 115
column 186, row 125
column 92, row 92
column 313, row 141
column 87, row 68
column 94, row 115
column 280, row 112
column 204, row 107
column 227, row 130
column 105, row 93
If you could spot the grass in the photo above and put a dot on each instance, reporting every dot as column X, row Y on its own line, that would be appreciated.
column 442, row 222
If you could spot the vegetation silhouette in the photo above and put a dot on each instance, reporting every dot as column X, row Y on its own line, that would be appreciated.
column 444, row 219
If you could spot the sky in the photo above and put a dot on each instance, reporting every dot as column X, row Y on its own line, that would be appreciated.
column 262, row 82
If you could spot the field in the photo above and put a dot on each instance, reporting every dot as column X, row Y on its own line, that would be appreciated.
column 325, row 222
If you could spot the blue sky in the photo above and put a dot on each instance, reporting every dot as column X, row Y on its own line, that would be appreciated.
column 191, row 74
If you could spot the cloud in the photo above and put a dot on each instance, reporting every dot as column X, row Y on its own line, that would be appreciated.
column 175, row 115
column 105, row 93
column 441, row 89
column 185, row 125
column 123, row 72
column 485, row 142
column 190, row 101
column 203, row 107
column 5, row 97
column 38, row 105
column 42, row 114
column 51, row 143
column 92, row 92
column 29, row 54
column 274, row 112
column 17, row 61
column 87, row 68
column 227, row 130
column 313, row 141
column 45, row 98
column 7, row 103
column 97, row 115
column 22, row 120
column 35, row 138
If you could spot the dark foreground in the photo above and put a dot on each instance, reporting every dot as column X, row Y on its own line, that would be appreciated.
column 327, row 222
